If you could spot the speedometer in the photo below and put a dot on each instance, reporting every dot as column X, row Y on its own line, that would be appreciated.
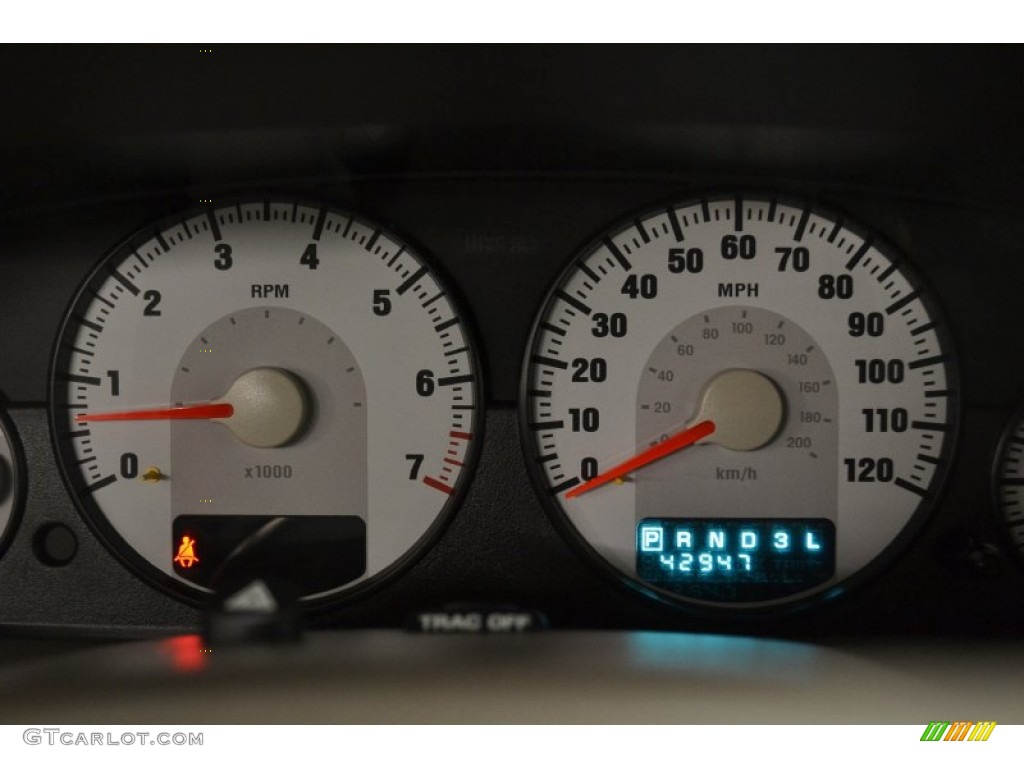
column 738, row 402
column 266, row 388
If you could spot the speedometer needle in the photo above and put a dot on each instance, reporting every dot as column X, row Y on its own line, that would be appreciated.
column 202, row 411
column 677, row 442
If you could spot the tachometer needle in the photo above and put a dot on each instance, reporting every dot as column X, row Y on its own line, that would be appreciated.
column 202, row 411
column 264, row 407
column 677, row 442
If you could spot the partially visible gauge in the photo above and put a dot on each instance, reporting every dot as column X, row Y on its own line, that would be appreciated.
column 739, row 402
column 10, row 483
column 266, row 387
column 1009, row 483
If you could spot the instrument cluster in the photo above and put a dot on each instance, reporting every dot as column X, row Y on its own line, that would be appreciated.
column 679, row 393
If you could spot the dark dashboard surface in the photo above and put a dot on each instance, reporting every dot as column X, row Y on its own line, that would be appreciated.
column 500, row 162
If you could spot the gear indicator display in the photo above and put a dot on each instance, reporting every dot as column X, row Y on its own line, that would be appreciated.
column 728, row 559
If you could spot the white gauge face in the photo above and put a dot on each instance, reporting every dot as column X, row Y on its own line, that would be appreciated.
column 266, row 387
column 1010, row 484
column 738, row 402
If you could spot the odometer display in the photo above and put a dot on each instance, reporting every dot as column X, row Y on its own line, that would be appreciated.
column 739, row 359
column 269, row 387
column 729, row 559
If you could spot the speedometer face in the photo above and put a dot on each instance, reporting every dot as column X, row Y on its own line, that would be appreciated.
column 738, row 402
column 270, row 389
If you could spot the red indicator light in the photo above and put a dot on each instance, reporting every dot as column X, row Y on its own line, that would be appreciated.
column 186, row 652
column 186, row 556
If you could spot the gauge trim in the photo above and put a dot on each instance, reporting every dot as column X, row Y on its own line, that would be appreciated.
column 1006, row 542
column 19, row 482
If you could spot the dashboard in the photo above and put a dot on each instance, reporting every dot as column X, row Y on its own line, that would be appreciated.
column 813, row 252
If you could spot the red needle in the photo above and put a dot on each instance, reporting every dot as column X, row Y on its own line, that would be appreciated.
column 665, row 448
column 204, row 411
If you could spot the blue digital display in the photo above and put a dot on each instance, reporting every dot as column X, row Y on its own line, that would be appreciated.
column 734, row 560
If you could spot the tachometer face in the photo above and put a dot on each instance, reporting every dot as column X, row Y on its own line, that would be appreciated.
column 268, row 388
column 738, row 402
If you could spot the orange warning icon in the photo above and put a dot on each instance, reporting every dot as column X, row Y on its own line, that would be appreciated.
column 186, row 556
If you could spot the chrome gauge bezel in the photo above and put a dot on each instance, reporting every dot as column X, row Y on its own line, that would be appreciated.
column 885, row 559
column 195, row 596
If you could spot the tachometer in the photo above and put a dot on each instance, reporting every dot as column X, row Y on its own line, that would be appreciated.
column 281, row 388
column 738, row 402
